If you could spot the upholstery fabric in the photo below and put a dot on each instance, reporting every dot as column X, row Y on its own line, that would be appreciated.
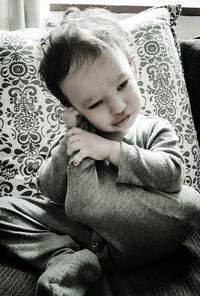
column 30, row 119
column 15, row 278
column 190, row 53
column 178, row 275
column 151, row 35
column 30, row 115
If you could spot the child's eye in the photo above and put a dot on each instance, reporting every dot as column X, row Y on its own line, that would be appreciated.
column 96, row 105
column 123, row 84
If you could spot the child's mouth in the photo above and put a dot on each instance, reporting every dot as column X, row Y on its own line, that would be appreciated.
column 123, row 122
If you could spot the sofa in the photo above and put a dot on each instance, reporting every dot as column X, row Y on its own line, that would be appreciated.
column 30, row 119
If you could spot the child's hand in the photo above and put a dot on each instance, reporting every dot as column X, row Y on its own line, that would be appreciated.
column 70, row 116
column 87, row 144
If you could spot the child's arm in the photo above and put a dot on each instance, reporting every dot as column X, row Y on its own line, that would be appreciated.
column 154, row 160
column 52, row 175
column 150, row 159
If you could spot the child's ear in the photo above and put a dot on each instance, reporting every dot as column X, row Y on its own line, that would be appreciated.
column 133, row 61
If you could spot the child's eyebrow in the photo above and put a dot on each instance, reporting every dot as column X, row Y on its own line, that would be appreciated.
column 87, row 102
column 120, row 76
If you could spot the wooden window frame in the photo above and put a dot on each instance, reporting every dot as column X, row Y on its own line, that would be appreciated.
column 123, row 7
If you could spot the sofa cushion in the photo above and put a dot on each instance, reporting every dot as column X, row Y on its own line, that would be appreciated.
column 151, row 35
column 15, row 281
column 30, row 115
column 30, row 119
column 190, row 52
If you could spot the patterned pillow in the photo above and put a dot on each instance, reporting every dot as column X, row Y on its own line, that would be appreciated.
column 190, row 53
column 151, row 35
column 29, row 117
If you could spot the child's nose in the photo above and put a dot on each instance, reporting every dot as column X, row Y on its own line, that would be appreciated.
column 117, row 105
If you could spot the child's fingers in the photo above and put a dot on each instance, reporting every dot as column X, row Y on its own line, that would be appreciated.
column 72, row 139
column 74, row 131
column 78, row 158
column 73, row 148
column 71, row 110
column 69, row 116
column 76, row 112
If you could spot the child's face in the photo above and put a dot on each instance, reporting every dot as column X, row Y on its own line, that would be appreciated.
column 106, row 92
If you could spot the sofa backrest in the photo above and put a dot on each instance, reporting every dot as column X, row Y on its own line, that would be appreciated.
column 30, row 117
column 190, row 52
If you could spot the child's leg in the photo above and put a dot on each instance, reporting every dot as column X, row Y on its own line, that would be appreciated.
column 141, row 225
column 37, row 232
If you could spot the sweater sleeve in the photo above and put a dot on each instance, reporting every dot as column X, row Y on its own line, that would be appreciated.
column 153, row 159
column 52, row 175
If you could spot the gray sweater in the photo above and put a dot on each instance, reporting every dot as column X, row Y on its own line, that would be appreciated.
column 141, row 208
column 149, row 157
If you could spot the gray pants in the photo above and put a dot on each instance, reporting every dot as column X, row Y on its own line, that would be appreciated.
column 137, row 230
column 38, row 232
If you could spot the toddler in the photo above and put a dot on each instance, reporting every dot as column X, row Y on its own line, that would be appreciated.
column 113, row 180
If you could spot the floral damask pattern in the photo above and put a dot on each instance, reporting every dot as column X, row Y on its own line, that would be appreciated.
column 30, row 117
column 151, row 35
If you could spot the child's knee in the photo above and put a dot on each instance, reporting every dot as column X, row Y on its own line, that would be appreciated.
column 13, row 215
column 6, row 208
column 164, row 228
column 190, row 198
